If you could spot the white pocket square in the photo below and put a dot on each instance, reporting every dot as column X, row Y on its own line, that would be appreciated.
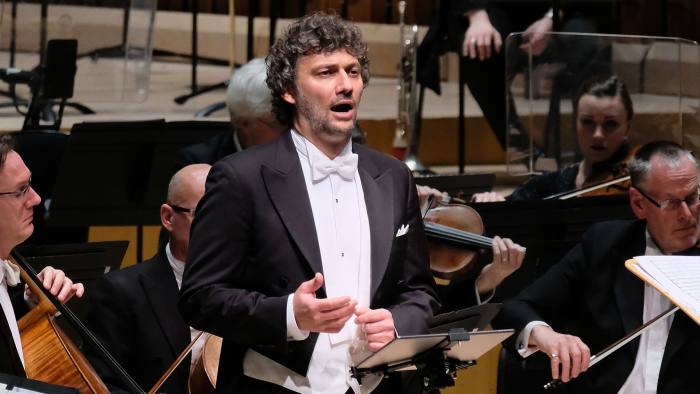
column 402, row 230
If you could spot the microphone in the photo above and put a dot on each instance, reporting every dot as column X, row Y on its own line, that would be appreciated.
column 16, row 75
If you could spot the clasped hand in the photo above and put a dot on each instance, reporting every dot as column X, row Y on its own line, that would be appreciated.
column 329, row 315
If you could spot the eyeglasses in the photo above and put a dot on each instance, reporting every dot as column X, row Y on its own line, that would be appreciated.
column 692, row 200
column 180, row 209
column 21, row 192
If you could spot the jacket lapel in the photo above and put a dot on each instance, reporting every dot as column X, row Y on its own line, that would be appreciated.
column 286, row 186
column 162, row 296
column 629, row 290
column 681, row 330
column 379, row 200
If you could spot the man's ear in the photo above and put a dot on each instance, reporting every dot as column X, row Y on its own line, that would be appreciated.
column 166, row 216
column 638, row 208
column 289, row 97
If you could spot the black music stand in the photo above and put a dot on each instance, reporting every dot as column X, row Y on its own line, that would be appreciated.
column 118, row 173
column 16, row 384
column 461, row 185
column 469, row 319
column 547, row 228
column 84, row 263
column 437, row 357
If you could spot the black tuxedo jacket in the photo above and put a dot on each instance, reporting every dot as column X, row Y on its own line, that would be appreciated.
column 254, row 242
column 10, row 363
column 134, row 314
column 592, row 288
column 207, row 152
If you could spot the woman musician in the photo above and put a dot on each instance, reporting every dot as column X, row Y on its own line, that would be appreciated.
column 603, row 112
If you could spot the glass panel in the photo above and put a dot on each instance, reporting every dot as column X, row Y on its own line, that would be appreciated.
column 659, row 73
column 113, row 62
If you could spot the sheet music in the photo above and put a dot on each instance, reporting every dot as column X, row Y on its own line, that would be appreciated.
column 678, row 276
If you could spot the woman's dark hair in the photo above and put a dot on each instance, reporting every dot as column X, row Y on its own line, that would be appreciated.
column 309, row 35
column 605, row 86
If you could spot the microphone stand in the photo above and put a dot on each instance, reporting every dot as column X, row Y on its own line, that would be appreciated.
column 620, row 343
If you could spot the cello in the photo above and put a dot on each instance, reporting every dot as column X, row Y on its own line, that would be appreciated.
column 50, row 355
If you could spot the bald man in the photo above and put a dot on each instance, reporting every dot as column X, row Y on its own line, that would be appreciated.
column 135, row 309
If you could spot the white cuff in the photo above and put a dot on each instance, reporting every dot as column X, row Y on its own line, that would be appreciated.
column 293, row 331
column 522, row 342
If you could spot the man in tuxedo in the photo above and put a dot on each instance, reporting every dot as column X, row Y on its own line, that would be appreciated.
column 134, row 311
column 309, row 244
column 592, row 288
column 249, row 103
column 17, row 202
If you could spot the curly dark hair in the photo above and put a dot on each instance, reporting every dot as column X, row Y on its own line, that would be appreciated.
column 7, row 143
column 310, row 35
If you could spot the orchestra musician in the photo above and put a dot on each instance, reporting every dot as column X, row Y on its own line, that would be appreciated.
column 477, row 29
column 603, row 111
column 17, row 202
column 249, row 103
column 309, row 243
column 591, row 287
column 134, row 312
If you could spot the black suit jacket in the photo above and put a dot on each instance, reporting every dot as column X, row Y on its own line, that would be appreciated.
column 254, row 242
column 10, row 363
column 208, row 152
column 135, row 316
column 592, row 288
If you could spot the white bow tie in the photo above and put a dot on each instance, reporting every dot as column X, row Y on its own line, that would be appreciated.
column 9, row 272
column 345, row 166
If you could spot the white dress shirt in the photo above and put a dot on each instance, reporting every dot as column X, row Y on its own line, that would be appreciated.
column 178, row 267
column 342, row 228
column 5, row 270
column 644, row 377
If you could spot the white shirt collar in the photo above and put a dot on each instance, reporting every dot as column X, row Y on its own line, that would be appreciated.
column 178, row 266
column 310, row 151
column 9, row 273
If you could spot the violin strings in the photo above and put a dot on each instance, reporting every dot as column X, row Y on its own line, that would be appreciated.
column 459, row 233
column 451, row 234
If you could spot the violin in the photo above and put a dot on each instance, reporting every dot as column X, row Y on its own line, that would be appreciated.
column 608, row 177
column 455, row 240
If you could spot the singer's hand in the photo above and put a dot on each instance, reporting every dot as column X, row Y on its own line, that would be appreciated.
column 320, row 315
column 567, row 350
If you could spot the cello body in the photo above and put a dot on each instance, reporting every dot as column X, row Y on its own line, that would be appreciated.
column 50, row 355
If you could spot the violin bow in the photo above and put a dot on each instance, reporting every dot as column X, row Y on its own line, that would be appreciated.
column 175, row 364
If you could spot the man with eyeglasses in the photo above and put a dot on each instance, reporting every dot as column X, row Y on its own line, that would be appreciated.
column 592, row 288
column 17, row 202
column 135, row 309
